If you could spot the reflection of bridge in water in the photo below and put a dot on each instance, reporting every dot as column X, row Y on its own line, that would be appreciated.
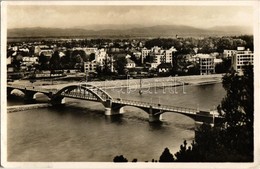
column 112, row 106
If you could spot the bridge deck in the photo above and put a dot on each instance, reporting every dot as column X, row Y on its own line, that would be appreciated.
column 80, row 95
column 156, row 106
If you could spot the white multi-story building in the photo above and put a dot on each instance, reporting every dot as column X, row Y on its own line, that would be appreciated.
column 159, row 55
column 207, row 65
column 156, row 49
column 100, row 57
column 90, row 67
column 168, row 55
column 145, row 52
column 228, row 53
column 242, row 58
column 158, row 58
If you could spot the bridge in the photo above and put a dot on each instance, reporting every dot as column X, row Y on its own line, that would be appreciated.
column 113, row 106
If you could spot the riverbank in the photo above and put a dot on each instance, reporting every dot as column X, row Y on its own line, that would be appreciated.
column 132, row 83
column 11, row 109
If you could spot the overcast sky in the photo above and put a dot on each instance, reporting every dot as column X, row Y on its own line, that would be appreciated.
column 77, row 16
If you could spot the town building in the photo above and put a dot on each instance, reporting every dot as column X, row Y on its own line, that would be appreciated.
column 162, row 56
column 228, row 53
column 164, row 68
column 206, row 63
column 90, row 67
column 30, row 60
column 145, row 52
column 130, row 63
column 241, row 59
column 154, row 65
column 100, row 57
column 158, row 58
column 42, row 48
column 158, row 55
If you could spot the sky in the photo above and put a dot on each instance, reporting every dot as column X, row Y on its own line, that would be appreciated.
column 20, row 16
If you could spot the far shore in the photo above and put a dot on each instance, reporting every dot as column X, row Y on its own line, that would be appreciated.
column 132, row 83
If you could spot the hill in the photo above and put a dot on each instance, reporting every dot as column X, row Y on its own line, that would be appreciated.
column 151, row 31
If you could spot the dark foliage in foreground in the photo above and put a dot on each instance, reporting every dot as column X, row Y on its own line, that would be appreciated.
column 166, row 156
column 232, row 140
column 120, row 158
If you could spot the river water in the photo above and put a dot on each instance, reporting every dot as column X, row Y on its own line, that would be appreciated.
column 80, row 131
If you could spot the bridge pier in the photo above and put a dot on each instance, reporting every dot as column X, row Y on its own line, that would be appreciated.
column 29, row 96
column 112, row 108
column 113, row 111
column 154, row 115
column 8, row 92
column 60, row 100
column 154, row 118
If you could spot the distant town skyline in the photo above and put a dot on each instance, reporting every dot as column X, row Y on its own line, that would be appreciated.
column 21, row 16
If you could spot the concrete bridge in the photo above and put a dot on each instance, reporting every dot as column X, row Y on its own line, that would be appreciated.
column 112, row 106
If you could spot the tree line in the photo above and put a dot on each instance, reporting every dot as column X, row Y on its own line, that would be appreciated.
column 205, row 45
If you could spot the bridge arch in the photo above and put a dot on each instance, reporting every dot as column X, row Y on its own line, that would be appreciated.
column 85, row 91
column 142, row 110
column 197, row 117
column 40, row 93
column 191, row 116
column 177, row 114
column 12, row 91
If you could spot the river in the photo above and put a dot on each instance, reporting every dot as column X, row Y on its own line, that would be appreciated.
column 81, row 132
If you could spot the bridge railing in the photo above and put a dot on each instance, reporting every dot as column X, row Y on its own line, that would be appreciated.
column 32, row 88
column 79, row 95
column 158, row 106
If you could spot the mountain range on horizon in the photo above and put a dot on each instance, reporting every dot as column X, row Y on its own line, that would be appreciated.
column 128, row 31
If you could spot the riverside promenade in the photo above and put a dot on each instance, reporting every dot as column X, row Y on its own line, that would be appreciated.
column 11, row 109
column 132, row 83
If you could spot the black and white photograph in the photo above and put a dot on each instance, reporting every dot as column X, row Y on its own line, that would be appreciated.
column 116, row 84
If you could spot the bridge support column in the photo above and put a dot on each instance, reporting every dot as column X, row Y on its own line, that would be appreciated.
column 8, row 92
column 112, row 111
column 29, row 97
column 58, row 101
column 112, row 108
column 154, row 116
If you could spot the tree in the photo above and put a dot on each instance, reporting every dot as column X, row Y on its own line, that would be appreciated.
column 66, row 61
column 120, row 158
column 231, row 140
column 43, row 60
column 184, row 155
column 238, row 42
column 55, row 61
column 237, row 106
column 149, row 58
column 224, row 66
column 224, row 43
column 92, row 57
column 238, row 109
column 249, row 39
column 166, row 156
column 120, row 65
column 17, row 61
